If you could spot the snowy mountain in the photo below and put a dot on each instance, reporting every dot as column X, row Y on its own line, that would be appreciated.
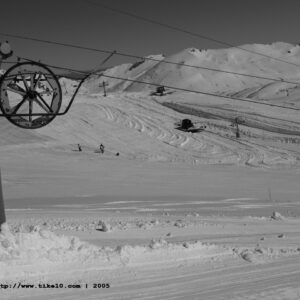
column 128, row 71
column 132, row 121
column 231, row 59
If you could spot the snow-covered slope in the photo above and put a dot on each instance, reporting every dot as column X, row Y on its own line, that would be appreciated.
column 132, row 121
column 130, row 71
column 173, row 229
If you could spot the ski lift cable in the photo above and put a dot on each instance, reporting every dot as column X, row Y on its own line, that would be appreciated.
column 205, row 37
column 167, row 86
column 199, row 92
column 145, row 58
column 31, row 68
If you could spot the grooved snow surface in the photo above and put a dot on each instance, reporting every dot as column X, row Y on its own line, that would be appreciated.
column 175, row 215
column 227, row 266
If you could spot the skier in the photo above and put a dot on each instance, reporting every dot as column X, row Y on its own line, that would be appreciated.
column 79, row 147
column 101, row 148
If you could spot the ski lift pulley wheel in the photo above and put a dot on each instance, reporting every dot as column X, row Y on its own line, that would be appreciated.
column 30, row 95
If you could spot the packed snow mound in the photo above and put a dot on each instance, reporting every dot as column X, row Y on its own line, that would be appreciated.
column 39, row 245
column 260, row 255
column 42, row 252
column 38, row 252
column 277, row 216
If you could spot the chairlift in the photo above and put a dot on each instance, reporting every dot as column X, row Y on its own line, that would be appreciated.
column 31, row 95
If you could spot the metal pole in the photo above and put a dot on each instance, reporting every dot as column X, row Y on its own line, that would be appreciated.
column 2, row 210
column 104, row 88
column 237, row 130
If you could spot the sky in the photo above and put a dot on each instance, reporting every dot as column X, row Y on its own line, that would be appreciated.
column 87, row 23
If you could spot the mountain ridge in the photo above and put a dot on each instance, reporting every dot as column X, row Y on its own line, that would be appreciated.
column 182, row 76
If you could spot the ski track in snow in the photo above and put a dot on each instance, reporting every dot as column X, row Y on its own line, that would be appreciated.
column 144, row 129
column 181, row 257
column 155, row 122
column 159, row 270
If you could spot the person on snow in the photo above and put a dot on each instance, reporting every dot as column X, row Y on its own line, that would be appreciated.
column 101, row 148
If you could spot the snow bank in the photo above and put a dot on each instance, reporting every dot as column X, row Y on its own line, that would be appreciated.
column 40, row 252
column 260, row 255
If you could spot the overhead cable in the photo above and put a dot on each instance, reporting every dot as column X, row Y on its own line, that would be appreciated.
column 167, row 86
column 145, row 58
column 205, row 37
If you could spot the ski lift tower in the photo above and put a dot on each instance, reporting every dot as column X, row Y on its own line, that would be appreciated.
column 2, row 209
column 235, row 123
column 5, row 52
column 104, row 84
column 31, row 96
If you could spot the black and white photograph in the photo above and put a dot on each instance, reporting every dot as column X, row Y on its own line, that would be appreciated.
column 150, row 150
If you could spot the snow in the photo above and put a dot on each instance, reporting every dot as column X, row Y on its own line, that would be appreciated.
column 41, row 249
column 207, row 251
column 176, row 215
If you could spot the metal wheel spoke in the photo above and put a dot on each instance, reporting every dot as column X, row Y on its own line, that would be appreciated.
column 17, row 107
column 37, row 81
column 16, row 89
column 25, row 82
column 30, row 111
column 31, row 95
column 44, row 93
column 43, row 104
